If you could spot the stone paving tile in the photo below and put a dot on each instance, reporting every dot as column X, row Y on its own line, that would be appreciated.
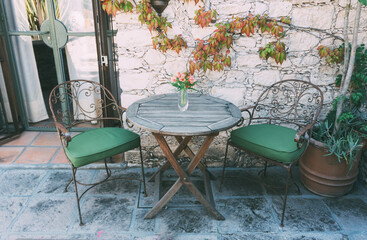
column 275, row 181
column 351, row 213
column 56, row 181
column 45, row 215
column 246, row 215
column 60, row 158
column 192, row 220
column 20, row 182
column 47, row 139
column 108, row 213
column 9, row 208
column 360, row 236
column 177, row 237
column 25, row 139
column 128, row 185
column 315, row 236
column 37, row 236
column 183, row 196
column 105, row 235
column 141, row 224
column 252, row 236
column 239, row 186
column 305, row 215
column 35, row 155
column 9, row 154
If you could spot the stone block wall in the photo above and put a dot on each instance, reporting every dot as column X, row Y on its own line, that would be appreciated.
column 144, row 71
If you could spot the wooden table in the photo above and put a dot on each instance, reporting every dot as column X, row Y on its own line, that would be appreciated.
column 205, row 116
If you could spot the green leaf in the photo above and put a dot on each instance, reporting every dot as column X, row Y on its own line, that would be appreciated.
column 364, row 2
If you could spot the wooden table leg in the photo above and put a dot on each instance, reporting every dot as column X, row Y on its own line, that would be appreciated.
column 192, row 155
column 179, row 149
column 184, row 178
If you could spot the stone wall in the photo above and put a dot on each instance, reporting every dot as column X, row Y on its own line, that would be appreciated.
column 144, row 71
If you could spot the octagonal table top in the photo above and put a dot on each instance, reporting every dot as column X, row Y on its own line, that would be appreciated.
column 205, row 115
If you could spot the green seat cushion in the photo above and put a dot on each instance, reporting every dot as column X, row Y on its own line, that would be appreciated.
column 270, row 141
column 97, row 144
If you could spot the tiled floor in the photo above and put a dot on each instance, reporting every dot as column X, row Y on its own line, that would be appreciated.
column 36, row 148
column 33, row 204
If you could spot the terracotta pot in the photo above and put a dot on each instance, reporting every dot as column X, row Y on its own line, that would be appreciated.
column 324, row 175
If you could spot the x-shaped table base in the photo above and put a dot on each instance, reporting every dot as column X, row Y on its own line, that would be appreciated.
column 184, row 178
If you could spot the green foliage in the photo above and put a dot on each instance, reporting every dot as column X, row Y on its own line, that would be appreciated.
column 112, row 6
column 275, row 50
column 213, row 53
column 364, row 2
column 183, row 80
column 358, row 85
column 204, row 18
column 334, row 56
column 347, row 141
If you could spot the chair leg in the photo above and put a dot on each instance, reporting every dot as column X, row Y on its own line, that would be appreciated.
column 294, row 182
column 142, row 172
column 224, row 166
column 77, row 196
column 285, row 196
column 67, row 185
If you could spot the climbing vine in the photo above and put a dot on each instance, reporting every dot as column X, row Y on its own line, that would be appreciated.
column 212, row 53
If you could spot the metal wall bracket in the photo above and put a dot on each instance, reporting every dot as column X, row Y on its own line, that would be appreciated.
column 104, row 61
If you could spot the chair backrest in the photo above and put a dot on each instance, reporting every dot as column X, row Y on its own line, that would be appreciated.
column 289, row 102
column 81, row 101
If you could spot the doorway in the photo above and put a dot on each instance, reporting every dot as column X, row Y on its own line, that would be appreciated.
column 53, row 41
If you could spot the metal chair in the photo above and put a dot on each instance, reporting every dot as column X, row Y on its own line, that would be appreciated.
column 279, row 126
column 81, row 102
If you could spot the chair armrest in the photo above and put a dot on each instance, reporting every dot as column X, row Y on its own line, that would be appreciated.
column 122, row 109
column 246, row 108
column 303, row 132
column 65, row 135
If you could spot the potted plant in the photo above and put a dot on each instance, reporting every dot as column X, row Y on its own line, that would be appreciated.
column 329, row 167
column 330, row 164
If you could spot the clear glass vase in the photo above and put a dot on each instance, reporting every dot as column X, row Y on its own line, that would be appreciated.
column 183, row 101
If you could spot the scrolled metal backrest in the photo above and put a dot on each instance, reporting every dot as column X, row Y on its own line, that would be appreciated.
column 289, row 102
column 80, row 101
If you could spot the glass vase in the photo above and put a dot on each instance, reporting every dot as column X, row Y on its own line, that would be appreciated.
column 183, row 101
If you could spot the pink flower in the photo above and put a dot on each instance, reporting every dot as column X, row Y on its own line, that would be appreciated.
column 191, row 79
column 174, row 79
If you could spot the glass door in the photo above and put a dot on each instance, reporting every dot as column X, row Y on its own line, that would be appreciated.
column 9, row 110
column 53, row 41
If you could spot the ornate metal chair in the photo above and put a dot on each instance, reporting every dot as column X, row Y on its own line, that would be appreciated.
column 279, row 126
column 86, row 102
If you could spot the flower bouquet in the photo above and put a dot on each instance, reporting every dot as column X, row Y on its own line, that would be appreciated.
column 183, row 81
